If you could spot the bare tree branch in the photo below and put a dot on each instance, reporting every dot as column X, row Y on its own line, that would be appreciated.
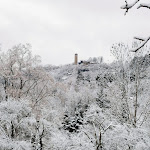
column 139, row 38
column 144, row 42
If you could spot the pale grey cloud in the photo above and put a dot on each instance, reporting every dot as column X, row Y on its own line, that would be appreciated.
column 58, row 29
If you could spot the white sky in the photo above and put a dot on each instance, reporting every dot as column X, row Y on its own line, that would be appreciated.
column 57, row 29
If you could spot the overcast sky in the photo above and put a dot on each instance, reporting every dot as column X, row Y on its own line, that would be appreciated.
column 57, row 29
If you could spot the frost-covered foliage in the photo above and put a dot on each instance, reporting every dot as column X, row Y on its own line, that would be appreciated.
column 15, row 125
column 93, row 106
column 109, row 92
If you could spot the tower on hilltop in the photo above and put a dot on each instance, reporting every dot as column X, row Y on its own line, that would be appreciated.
column 76, row 59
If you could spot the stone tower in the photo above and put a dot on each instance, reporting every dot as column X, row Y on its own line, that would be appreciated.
column 76, row 59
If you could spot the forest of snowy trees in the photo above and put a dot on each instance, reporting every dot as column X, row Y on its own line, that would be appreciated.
column 95, row 106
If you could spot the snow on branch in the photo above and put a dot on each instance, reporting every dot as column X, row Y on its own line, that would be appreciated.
column 144, row 5
column 129, row 6
column 144, row 41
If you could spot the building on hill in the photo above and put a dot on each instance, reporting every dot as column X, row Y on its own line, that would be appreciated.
column 84, row 62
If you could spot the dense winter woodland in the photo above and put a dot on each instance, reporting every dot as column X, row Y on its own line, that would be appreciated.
column 89, row 106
